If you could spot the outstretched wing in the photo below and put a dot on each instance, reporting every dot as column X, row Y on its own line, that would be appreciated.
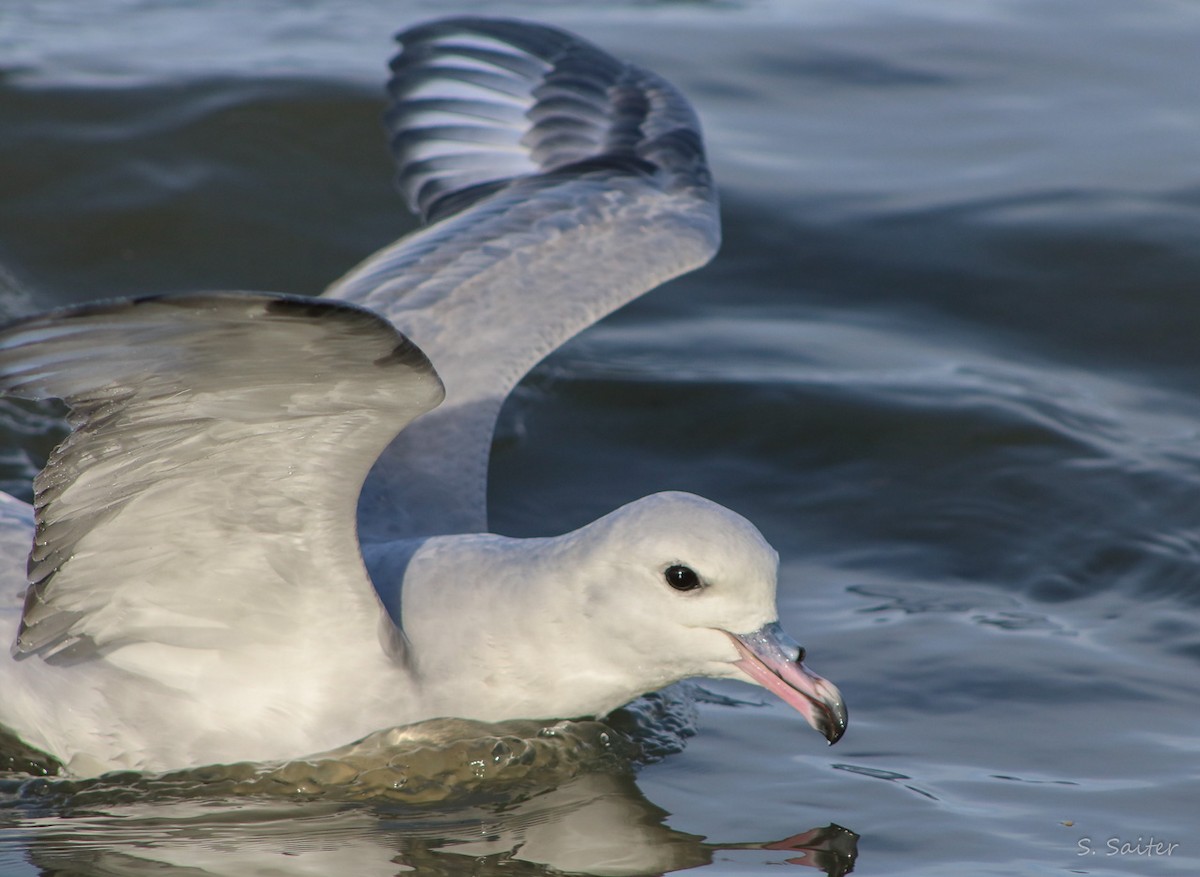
column 561, row 183
column 206, row 494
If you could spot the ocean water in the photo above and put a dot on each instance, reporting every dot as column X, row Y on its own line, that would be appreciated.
column 947, row 360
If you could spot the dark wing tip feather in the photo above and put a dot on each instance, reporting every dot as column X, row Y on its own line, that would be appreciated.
column 478, row 103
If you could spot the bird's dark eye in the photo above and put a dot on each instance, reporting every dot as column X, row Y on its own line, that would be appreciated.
column 682, row 578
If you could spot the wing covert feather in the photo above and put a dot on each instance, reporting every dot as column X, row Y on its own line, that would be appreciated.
column 206, row 495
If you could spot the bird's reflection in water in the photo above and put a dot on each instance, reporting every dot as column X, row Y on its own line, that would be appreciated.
column 597, row 823
column 441, row 797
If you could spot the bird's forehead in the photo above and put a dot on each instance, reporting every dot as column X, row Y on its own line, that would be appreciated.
column 710, row 527
column 716, row 541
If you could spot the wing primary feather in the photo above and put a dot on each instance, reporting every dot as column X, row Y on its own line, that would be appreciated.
column 557, row 183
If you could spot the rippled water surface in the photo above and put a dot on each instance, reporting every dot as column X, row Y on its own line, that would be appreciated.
column 947, row 360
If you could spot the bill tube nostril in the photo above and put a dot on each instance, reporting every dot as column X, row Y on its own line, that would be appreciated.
column 775, row 661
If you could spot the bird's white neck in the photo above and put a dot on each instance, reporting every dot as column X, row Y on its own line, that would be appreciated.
column 516, row 644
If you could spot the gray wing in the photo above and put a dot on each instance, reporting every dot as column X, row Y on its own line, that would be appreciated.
column 206, row 495
column 560, row 184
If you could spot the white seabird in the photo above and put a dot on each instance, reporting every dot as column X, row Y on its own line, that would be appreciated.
column 266, row 535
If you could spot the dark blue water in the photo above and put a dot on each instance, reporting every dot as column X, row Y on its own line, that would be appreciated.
column 947, row 360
